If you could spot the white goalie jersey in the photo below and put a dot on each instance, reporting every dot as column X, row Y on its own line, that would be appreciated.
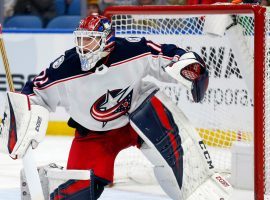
column 101, row 98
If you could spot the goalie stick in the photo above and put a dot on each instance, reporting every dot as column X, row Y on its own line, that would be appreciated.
column 29, row 164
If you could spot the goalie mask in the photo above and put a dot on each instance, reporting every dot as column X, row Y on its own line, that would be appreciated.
column 94, row 40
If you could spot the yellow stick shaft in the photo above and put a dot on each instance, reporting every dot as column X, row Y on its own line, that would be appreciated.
column 30, row 167
column 5, row 62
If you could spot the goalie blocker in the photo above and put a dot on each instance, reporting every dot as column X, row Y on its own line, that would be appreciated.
column 183, row 166
column 22, row 125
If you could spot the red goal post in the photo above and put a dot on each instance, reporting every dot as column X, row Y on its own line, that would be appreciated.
column 259, row 78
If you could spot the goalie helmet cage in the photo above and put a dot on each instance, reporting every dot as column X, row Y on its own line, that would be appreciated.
column 229, row 117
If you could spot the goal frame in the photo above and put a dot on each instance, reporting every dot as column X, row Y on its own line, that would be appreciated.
column 259, row 62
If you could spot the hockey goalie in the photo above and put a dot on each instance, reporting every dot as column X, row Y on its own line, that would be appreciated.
column 100, row 84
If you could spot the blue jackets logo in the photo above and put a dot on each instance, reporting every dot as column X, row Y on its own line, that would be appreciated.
column 112, row 105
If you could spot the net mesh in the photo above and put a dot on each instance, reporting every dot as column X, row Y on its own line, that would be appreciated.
column 225, row 115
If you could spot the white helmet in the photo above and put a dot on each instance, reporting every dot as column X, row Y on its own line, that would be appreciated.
column 94, row 40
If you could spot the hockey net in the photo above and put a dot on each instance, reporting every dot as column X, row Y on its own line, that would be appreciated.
column 235, row 107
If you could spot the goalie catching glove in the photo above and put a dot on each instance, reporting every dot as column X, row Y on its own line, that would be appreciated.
column 22, row 125
column 190, row 70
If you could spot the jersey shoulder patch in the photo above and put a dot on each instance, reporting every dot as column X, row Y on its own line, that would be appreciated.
column 58, row 62
column 124, row 49
column 133, row 39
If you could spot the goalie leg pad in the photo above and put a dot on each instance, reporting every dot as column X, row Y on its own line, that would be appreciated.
column 75, row 185
column 155, row 124
column 60, row 184
column 182, row 162
column 75, row 190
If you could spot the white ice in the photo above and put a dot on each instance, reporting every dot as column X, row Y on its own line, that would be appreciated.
column 55, row 149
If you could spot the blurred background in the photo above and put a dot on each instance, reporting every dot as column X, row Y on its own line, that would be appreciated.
column 56, row 13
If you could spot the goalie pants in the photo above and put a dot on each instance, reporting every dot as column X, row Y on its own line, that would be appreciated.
column 98, row 150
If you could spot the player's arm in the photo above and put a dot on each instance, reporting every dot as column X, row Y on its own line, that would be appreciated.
column 186, row 68
column 43, row 91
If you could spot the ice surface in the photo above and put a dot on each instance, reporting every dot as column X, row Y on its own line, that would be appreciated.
column 55, row 149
